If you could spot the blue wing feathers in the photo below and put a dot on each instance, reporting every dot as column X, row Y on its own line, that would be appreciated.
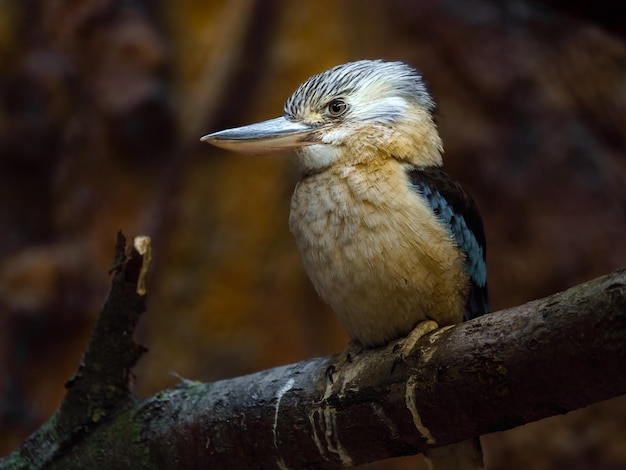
column 453, row 205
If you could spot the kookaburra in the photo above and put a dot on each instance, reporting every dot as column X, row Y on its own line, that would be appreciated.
column 388, row 239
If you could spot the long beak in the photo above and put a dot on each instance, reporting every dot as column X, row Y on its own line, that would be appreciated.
column 266, row 136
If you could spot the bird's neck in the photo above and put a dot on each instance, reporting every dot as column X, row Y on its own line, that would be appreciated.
column 415, row 140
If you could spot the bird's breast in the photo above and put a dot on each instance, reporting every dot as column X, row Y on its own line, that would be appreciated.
column 375, row 251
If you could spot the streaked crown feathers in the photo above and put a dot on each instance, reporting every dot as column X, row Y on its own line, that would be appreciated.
column 379, row 78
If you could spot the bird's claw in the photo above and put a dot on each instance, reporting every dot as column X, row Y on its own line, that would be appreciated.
column 407, row 345
column 398, row 359
column 346, row 357
column 330, row 370
column 353, row 350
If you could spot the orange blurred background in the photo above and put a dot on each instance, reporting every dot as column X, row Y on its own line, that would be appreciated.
column 102, row 107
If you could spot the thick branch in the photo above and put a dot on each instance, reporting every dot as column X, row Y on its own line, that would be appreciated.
column 508, row 368
column 100, row 388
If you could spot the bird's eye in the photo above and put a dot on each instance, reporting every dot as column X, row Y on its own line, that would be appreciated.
column 337, row 107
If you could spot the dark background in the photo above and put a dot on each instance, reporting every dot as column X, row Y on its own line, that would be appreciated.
column 102, row 104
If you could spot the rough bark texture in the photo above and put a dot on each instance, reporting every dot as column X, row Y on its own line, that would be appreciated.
column 496, row 372
column 101, row 386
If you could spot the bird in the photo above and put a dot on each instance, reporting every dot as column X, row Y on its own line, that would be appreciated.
column 389, row 240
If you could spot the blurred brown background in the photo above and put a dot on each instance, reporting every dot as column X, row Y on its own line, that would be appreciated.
column 102, row 104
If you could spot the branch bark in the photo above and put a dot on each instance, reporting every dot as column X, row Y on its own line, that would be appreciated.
column 493, row 373
column 100, row 389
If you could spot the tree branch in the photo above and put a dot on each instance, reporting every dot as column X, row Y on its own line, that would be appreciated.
column 100, row 389
column 493, row 373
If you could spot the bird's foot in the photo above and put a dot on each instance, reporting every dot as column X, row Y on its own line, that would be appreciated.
column 343, row 358
column 405, row 347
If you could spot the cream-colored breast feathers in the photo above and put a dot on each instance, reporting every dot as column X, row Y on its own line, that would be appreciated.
column 375, row 251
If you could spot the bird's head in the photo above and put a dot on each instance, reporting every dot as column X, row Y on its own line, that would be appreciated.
column 353, row 113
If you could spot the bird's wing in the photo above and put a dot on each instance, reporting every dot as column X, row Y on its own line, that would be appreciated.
column 457, row 210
